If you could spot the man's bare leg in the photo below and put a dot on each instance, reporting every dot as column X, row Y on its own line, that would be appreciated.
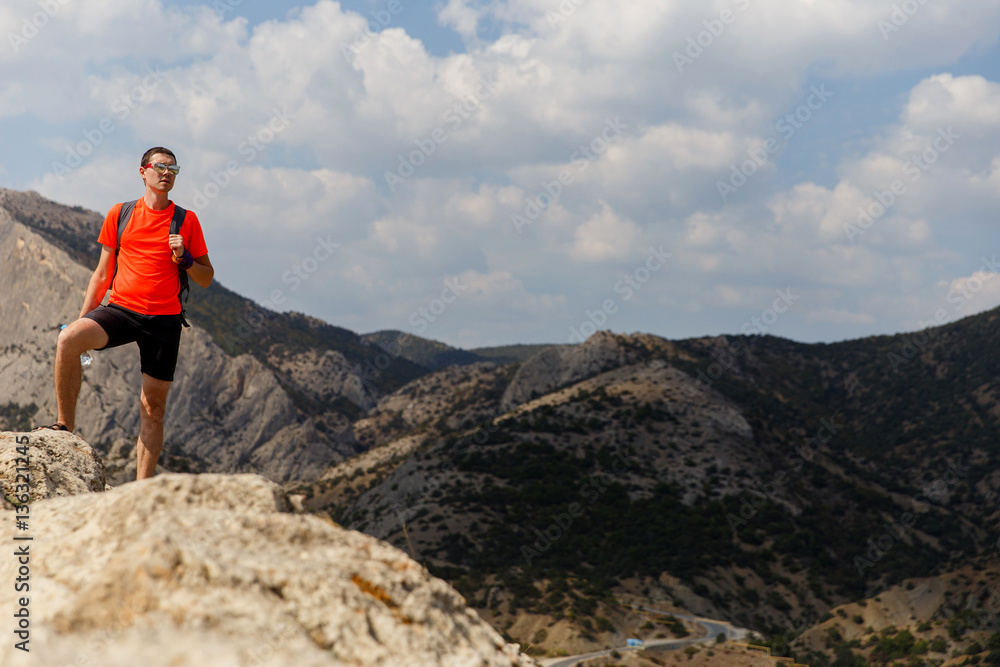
column 74, row 340
column 153, row 406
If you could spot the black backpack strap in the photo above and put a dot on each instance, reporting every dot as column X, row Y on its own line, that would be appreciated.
column 124, row 215
column 123, row 219
column 175, row 228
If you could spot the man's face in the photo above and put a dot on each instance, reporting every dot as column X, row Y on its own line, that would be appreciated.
column 161, row 182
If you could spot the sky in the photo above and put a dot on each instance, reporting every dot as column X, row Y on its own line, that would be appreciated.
column 489, row 172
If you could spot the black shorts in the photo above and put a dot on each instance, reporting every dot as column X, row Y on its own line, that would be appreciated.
column 158, row 336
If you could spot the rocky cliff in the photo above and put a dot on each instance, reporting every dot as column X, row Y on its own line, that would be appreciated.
column 211, row 570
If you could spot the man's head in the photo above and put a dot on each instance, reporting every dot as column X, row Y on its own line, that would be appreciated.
column 162, row 182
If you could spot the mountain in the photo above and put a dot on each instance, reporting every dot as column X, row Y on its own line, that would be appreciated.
column 953, row 614
column 510, row 354
column 768, row 481
column 746, row 478
column 429, row 354
column 434, row 355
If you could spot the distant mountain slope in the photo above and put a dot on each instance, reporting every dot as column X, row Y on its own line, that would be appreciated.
column 73, row 229
column 241, row 326
column 756, row 471
column 950, row 614
column 430, row 354
column 510, row 354
column 434, row 355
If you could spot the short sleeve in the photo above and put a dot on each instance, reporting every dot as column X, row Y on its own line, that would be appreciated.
column 194, row 240
column 109, row 230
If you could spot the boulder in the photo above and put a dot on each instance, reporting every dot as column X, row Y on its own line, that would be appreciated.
column 59, row 464
column 216, row 570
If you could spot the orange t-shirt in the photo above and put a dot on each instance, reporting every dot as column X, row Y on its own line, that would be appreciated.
column 147, row 281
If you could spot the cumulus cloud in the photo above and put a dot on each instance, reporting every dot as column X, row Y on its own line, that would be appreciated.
column 604, row 236
column 314, row 125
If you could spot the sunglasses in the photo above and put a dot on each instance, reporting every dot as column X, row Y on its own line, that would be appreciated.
column 160, row 168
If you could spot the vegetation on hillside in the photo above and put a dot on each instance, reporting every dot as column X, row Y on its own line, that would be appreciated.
column 429, row 354
column 886, row 464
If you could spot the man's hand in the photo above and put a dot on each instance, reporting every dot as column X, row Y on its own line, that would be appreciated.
column 176, row 242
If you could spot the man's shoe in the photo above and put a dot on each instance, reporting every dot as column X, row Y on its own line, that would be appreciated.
column 54, row 427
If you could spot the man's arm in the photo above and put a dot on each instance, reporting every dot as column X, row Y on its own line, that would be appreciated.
column 202, row 271
column 100, row 280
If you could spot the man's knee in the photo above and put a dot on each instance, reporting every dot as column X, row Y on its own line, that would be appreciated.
column 68, row 342
column 153, row 409
column 154, row 399
column 81, row 336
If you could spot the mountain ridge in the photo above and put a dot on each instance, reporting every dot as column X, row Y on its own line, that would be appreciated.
column 808, row 425
column 748, row 477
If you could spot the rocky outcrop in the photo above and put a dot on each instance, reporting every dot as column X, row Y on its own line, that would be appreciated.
column 325, row 376
column 58, row 464
column 218, row 570
column 561, row 366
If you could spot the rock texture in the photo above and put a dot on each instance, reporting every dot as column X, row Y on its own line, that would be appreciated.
column 562, row 366
column 325, row 376
column 217, row 570
column 59, row 464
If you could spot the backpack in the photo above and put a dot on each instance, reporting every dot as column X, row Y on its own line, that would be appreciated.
column 175, row 228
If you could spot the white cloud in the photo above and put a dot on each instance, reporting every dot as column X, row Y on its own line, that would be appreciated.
column 964, row 101
column 604, row 236
column 397, row 235
column 558, row 83
column 967, row 295
column 461, row 16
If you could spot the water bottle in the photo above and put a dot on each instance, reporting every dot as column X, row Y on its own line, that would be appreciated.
column 85, row 358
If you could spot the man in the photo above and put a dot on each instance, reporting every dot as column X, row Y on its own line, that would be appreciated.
column 144, row 306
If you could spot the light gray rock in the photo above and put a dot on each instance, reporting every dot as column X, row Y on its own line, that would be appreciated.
column 58, row 463
column 195, row 570
column 325, row 376
column 561, row 366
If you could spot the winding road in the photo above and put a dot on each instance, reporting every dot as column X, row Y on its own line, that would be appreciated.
column 712, row 630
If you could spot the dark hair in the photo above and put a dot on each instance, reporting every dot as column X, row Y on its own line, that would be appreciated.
column 153, row 151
